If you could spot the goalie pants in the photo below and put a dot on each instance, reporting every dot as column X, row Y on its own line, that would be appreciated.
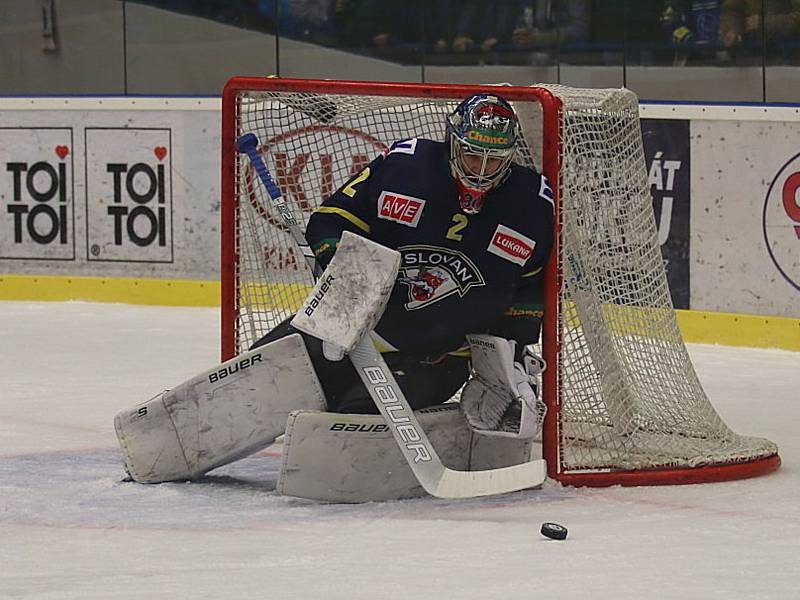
column 424, row 382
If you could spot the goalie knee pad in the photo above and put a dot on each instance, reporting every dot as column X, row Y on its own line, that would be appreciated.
column 219, row 416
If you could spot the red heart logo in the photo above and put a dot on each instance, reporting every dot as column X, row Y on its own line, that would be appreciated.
column 62, row 151
column 160, row 152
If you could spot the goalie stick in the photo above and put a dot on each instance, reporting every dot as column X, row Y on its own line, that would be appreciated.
column 435, row 478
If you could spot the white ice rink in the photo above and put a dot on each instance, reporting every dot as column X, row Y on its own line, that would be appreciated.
column 70, row 530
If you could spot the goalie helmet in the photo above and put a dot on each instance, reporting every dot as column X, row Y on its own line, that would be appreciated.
column 482, row 134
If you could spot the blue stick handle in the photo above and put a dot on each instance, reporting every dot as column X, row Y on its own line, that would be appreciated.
column 248, row 144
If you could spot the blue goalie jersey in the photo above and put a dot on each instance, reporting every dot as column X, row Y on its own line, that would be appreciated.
column 459, row 273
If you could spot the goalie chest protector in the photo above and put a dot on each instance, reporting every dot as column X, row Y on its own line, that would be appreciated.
column 458, row 272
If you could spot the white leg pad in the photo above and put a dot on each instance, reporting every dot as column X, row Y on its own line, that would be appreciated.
column 354, row 458
column 219, row 416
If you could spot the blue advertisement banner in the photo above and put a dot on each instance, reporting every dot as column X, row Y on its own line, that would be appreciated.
column 667, row 156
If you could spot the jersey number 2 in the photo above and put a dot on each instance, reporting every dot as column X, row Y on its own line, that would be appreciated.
column 459, row 222
column 350, row 189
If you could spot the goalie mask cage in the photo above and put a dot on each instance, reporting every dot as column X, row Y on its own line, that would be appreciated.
column 625, row 405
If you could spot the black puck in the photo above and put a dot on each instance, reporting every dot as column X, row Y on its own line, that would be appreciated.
column 554, row 531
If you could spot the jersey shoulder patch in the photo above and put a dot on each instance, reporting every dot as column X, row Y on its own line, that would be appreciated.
column 545, row 191
column 408, row 146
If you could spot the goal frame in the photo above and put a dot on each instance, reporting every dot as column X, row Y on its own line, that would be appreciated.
column 552, row 154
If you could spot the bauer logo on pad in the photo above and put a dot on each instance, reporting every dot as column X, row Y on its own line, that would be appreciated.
column 507, row 243
column 400, row 209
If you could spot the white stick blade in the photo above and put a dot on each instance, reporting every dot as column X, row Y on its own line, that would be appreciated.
column 468, row 484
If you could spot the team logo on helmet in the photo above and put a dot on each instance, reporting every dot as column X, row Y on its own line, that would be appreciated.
column 491, row 125
column 433, row 273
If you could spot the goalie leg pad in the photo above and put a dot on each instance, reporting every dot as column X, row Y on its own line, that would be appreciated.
column 219, row 416
column 353, row 458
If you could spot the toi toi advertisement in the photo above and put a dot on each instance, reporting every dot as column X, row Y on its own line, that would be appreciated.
column 128, row 195
column 37, row 205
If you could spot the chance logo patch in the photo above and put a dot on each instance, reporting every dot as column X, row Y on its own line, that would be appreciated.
column 507, row 243
column 405, row 210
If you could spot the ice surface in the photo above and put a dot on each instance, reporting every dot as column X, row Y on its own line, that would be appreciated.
column 70, row 529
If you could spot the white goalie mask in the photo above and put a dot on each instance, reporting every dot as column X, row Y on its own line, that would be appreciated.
column 482, row 134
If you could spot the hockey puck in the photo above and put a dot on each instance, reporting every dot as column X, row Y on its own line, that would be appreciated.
column 554, row 531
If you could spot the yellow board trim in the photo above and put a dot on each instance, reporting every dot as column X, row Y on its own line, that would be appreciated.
column 162, row 292
column 728, row 329
column 273, row 296
column 699, row 327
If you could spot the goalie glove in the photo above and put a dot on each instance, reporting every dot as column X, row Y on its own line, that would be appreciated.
column 501, row 398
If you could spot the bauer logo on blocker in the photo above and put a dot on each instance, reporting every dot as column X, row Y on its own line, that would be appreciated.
column 36, row 194
column 129, row 195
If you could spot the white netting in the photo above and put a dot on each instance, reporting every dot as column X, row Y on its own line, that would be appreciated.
column 630, row 395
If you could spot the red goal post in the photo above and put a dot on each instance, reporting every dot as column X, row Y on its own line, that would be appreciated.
column 624, row 403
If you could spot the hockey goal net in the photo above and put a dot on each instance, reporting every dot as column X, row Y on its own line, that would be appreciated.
column 625, row 404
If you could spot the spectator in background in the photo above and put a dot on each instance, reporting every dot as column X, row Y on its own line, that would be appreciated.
column 691, row 22
column 486, row 25
column 692, row 27
column 546, row 23
column 740, row 22
column 376, row 24
column 483, row 24
column 440, row 24
column 310, row 20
